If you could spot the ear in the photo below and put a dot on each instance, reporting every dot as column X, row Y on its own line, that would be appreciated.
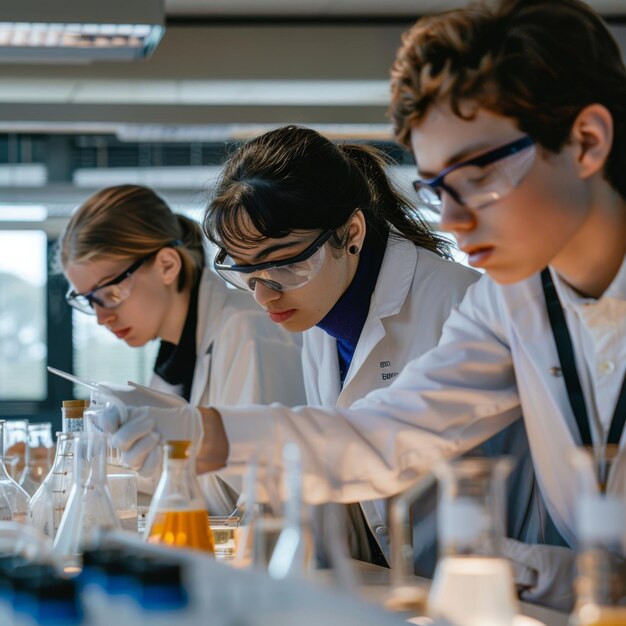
column 168, row 264
column 592, row 136
column 356, row 230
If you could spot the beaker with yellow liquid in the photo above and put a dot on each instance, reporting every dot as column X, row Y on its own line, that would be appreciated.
column 178, row 515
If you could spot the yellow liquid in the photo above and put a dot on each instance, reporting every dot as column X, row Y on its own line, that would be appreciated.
column 185, row 529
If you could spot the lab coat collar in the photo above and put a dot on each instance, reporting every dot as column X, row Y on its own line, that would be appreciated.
column 392, row 288
column 569, row 297
column 395, row 277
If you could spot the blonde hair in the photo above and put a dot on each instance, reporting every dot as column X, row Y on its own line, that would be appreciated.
column 131, row 221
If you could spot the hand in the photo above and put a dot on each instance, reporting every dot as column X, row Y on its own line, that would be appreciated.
column 145, row 429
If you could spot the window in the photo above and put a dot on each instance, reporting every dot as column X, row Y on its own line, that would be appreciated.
column 23, row 275
column 102, row 357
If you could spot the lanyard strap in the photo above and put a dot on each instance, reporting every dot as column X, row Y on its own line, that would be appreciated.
column 565, row 350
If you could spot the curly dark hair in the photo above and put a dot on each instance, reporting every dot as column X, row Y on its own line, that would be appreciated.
column 537, row 62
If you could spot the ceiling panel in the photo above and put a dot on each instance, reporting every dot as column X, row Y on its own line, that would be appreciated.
column 335, row 8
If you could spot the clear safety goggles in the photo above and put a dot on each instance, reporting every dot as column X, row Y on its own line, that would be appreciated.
column 114, row 291
column 482, row 180
column 283, row 275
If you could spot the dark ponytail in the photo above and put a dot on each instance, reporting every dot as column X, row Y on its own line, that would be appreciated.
column 389, row 211
column 293, row 178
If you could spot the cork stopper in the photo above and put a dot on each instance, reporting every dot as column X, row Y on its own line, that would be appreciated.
column 179, row 449
column 73, row 409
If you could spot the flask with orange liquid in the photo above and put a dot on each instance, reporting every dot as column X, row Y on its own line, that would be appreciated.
column 178, row 515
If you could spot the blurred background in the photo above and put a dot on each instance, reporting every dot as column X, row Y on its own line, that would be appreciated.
column 160, row 94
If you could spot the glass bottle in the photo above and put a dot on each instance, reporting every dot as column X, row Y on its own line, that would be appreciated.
column 15, row 447
column 472, row 585
column 601, row 532
column 89, row 506
column 72, row 415
column 49, row 501
column 178, row 514
column 13, row 499
column 40, row 455
column 293, row 554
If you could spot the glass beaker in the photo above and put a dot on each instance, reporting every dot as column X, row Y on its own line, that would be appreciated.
column 48, row 502
column 601, row 533
column 40, row 456
column 123, row 490
column 13, row 499
column 15, row 447
column 89, row 506
column 467, row 588
column 178, row 514
column 224, row 529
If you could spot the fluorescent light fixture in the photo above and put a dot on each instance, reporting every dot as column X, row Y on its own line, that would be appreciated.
column 23, row 175
column 79, row 30
column 23, row 213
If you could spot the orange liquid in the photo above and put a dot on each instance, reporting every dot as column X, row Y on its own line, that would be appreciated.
column 605, row 616
column 186, row 529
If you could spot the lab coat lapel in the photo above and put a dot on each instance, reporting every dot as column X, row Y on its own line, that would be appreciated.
column 211, row 301
column 392, row 287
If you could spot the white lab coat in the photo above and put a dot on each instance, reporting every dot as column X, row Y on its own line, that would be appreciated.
column 495, row 356
column 242, row 358
column 415, row 292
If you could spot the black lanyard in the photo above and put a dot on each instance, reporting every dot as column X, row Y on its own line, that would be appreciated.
column 570, row 374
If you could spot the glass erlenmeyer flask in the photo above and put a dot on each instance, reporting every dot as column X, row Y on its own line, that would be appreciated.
column 178, row 515
column 601, row 533
column 89, row 507
column 49, row 501
column 40, row 455
column 470, row 589
column 13, row 499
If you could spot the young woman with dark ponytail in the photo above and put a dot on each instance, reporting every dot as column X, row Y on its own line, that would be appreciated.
column 327, row 246
column 140, row 270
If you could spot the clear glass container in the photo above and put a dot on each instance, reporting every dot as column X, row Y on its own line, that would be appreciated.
column 89, row 507
column 601, row 532
column 13, row 499
column 16, row 447
column 178, row 514
column 48, row 502
column 40, row 456
column 72, row 413
column 472, row 585
column 293, row 555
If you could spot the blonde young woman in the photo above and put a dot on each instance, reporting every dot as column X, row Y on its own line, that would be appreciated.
column 140, row 270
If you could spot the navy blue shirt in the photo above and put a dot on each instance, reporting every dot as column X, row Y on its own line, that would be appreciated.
column 346, row 319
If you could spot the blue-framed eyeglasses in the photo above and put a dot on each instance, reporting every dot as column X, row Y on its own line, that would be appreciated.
column 113, row 292
column 283, row 275
column 481, row 180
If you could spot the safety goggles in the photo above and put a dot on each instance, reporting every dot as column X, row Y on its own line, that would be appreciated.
column 482, row 180
column 109, row 295
column 283, row 275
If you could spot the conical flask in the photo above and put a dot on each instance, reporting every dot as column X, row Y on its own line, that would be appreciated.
column 89, row 507
column 178, row 515
column 39, row 457
column 49, row 501
column 467, row 588
column 13, row 499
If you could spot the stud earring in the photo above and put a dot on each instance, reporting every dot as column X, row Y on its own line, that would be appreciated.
column 353, row 250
